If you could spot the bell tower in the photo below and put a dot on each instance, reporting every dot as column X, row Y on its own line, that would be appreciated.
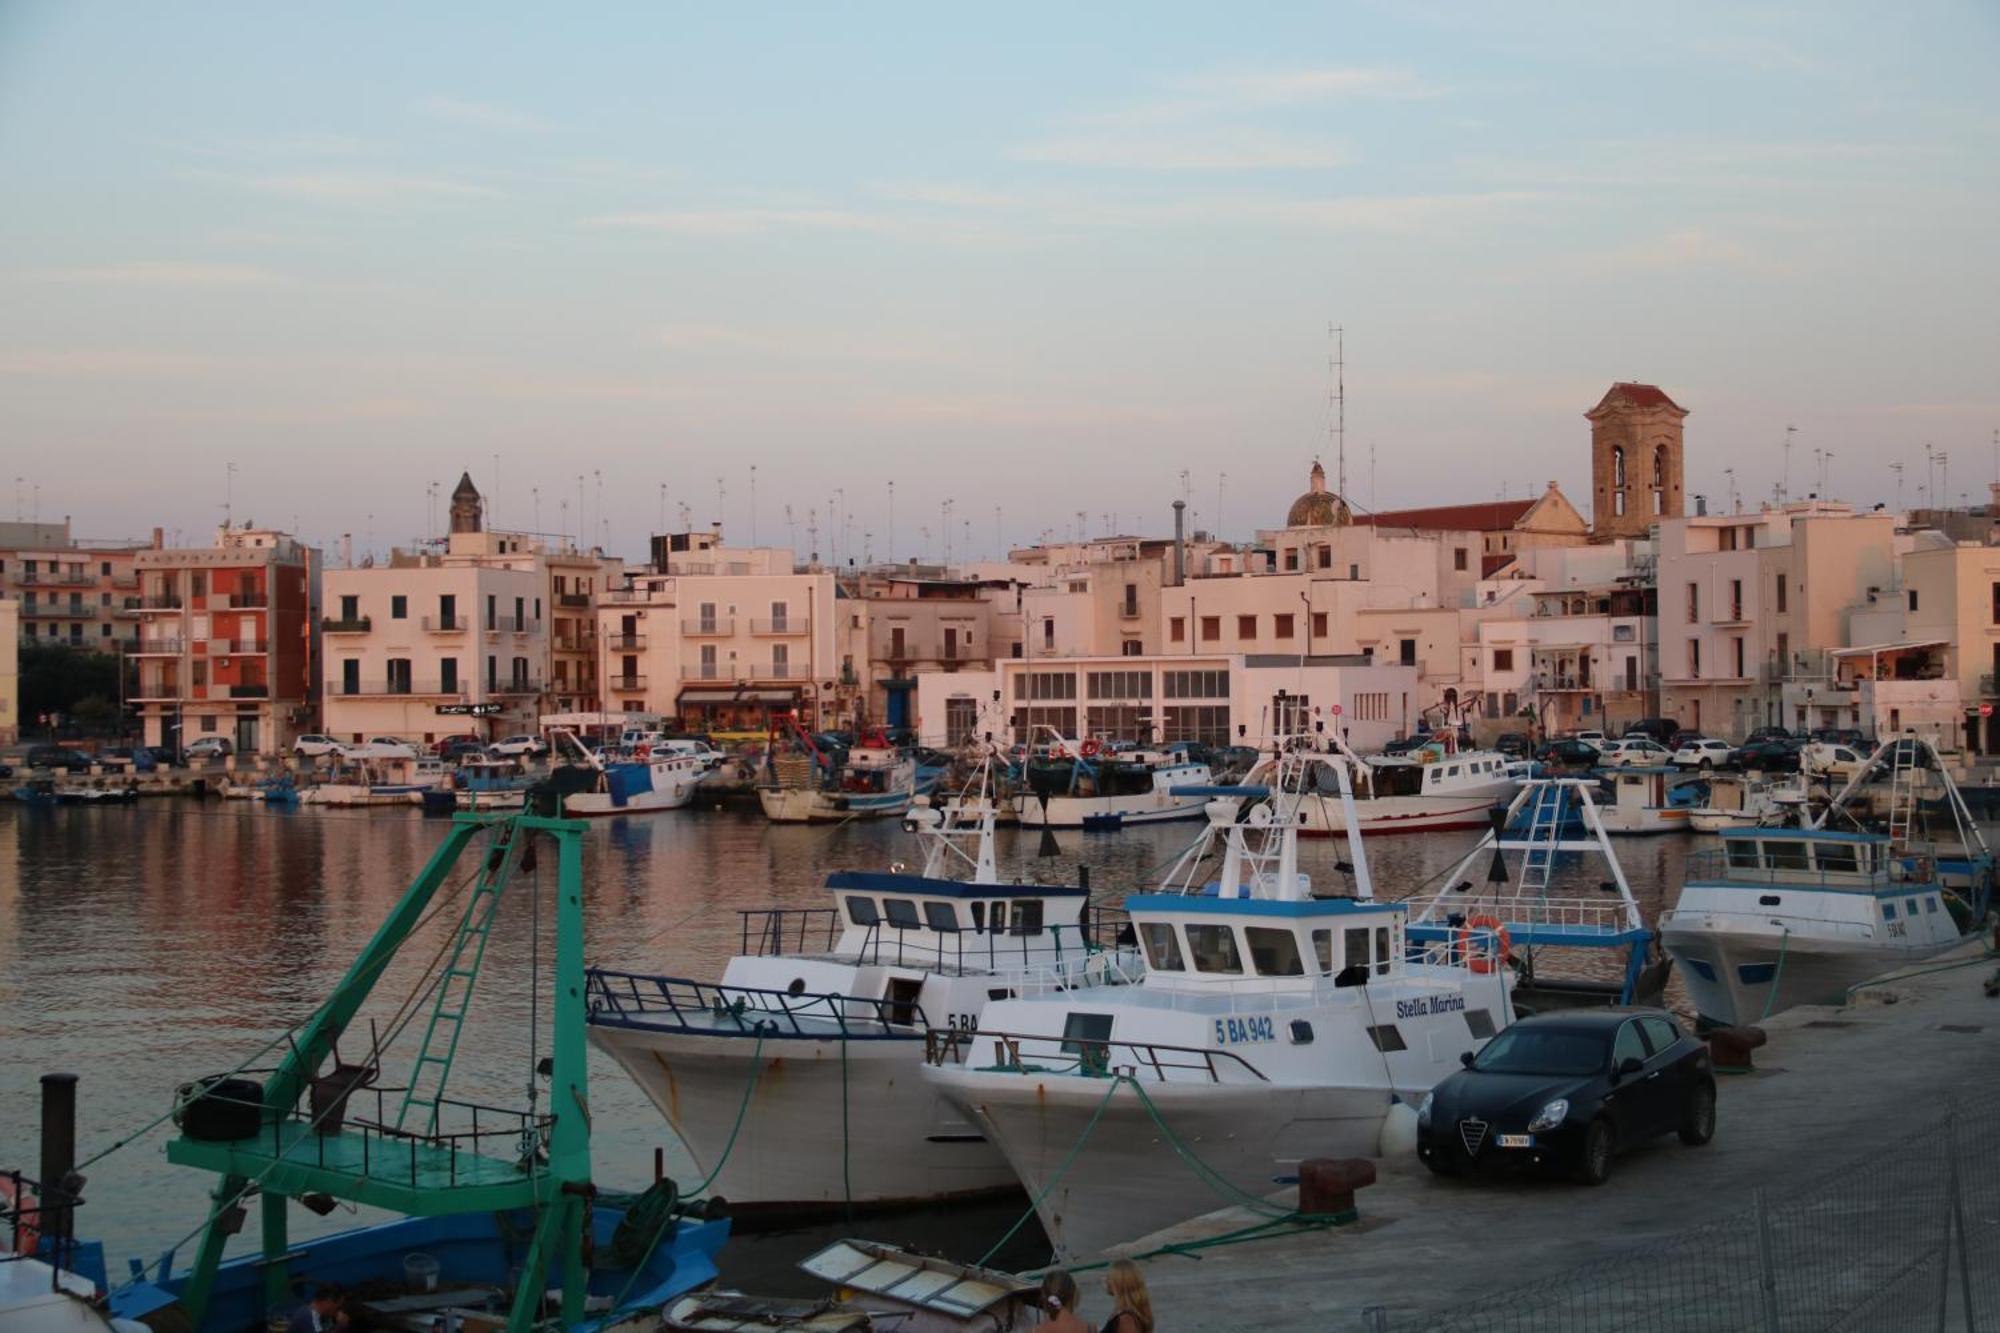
column 1636, row 461
column 467, row 509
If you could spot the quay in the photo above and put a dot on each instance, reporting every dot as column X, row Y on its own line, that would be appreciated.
column 1835, row 1088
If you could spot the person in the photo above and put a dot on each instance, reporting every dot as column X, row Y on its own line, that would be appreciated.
column 1058, row 1302
column 321, row 1314
column 1131, row 1307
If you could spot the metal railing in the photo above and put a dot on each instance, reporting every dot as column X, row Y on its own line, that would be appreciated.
column 346, row 624
column 352, row 689
column 573, row 600
column 515, row 685
column 59, row 610
column 447, row 624
column 1057, row 947
column 1909, row 867
column 789, row 625
column 250, row 690
column 630, row 999
column 243, row 647
column 168, row 601
column 158, row 647
column 775, row 671
column 32, row 1209
column 709, row 627
column 1034, row 1053
column 625, row 643
column 247, row 601
column 628, row 682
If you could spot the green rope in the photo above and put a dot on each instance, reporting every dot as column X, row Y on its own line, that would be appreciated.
column 1784, row 941
column 1061, row 1171
column 742, row 1113
column 1203, row 1171
column 846, row 1180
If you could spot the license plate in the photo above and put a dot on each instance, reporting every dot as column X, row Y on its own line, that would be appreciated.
column 1517, row 1140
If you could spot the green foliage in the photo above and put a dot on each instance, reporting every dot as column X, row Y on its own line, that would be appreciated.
column 56, row 678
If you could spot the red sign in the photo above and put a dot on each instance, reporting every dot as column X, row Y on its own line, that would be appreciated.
column 1336, row 710
column 1986, row 710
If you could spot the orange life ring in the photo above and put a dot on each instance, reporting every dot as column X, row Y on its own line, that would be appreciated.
column 27, row 1232
column 1485, row 963
column 643, row 753
column 1092, row 748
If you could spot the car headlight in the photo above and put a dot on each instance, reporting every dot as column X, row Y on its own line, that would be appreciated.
column 1550, row 1116
column 1424, row 1110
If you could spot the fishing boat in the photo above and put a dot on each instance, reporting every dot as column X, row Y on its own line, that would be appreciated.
column 793, row 1079
column 1272, row 1023
column 496, row 1219
column 1437, row 786
column 125, row 795
column 377, row 779
column 490, row 783
column 39, row 792
column 1639, row 801
column 1783, row 917
column 1743, row 800
column 1085, row 784
column 1563, row 912
column 644, row 781
column 873, row 780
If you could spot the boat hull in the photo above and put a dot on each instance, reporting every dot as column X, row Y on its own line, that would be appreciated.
column 1127, row 1181
column 1108, row 812
column 818, row 1130
column 1406, row 814
column 597, row 804
column 808, row 805
column 1746, row 975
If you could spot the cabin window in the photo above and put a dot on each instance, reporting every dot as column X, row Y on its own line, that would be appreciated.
column 1028, row 917
column 1354, row 948
column 941, row 917
column 1837, row 856
column 902, row 995
column 1743, row 854
column 1930, row 906
column 1909, row 907
column 996, row 920
column 1274, row 952
column 1387, row 1038
column 1323, row 951
column 1381, row 951
column 1214, row 950
column 1785, row 855
column 1479, row 1023
column 1163, row 950
column 1888, row 911
column 861, row 911
column 978, row 916
column 1083, row 1034
column 902, row 913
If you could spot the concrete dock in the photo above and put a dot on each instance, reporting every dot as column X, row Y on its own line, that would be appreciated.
column 1833, row 1086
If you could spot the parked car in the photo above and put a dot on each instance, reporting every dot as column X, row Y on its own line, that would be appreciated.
column 1569, row 754
column 204, row 748
column 1774, row 754
column 1567, row 1091
column 1661, row 729
column 1767, row 734
column 381, row 747
column 1513, row 744
column 1682, row 737
column 314, row 746
column 514, row 747
column 135, row 757
column 1635, row 751
column 1848, row 736
column 1597, row 738
column 1706, row 752
column 164, row 755
column 1839, row 762
column 57, row 756
column 443, row 744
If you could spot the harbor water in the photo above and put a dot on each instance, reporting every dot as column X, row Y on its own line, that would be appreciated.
column 145, row 946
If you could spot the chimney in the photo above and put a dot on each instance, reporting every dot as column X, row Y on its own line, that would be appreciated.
column 1180, row 542
column 1701, row 506
column 347, row 550
column 159, row 539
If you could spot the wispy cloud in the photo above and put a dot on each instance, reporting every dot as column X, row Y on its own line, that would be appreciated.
column 1208, row 150
column 368, row 187
column 1305, row 86
column 752, row 221
column 156, row 274
column 112, row 363
column 479, row 115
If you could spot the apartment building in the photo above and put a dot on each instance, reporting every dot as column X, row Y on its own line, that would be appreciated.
column 723, row 638
column 901, row 626
column 226, row 641
column 1951, row 600
column 10, row 671
column 1227, row 699
column 82, row 595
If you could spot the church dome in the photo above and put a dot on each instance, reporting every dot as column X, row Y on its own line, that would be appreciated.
column 1318, row 507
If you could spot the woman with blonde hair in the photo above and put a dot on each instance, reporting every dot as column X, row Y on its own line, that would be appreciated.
column 1132, row 1308
column 1058, row 1301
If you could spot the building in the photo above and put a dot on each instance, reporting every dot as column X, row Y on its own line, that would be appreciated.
column 80, row 595
column 1951, row 601
column 10, row 671
column 900, row 626
column 1504, row 528
column 1226, row 699
column 724, row 638
column 1636, row 460
column 226, row 641
column 1582, row 657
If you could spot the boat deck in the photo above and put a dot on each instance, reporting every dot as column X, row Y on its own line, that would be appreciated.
column 367, row 1164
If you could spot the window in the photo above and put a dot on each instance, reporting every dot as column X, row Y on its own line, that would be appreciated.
column 1618, row 504
column 1503, row 659
column 200, row 670
column 996, row 918
column 1736, row 599
column 1736, row 644
column 1211, row 626
column 350, row 676
column 1214, row 950
column 1085, row 1035
column 1694, row 659
column 1028, row 917
column 1281, row 626
column 1387, row 1038
column 1458, row 557
column 941, row 917
column 197, row 583
column 1694, row 603
column 1381, row 950
column 399, row 607
column 1274, row 952
column 492, row 611
column 350, row 608
column 1195, row 684
column 399, row 675
column 1628, row 1046
column 1319, row 624
column 961, row 721
column 1618, row 466
column 1323, row 951
column 1119, row 684
column 1888, row 911
column 1177, row 629
column 1291, row 558
column 1781, row 592
column 1837, row 856
column 1034, row 685
column 861, row 911
column 1913, row 599
column 448, row 675
column 447, row 611
column 1354, row 948
column 1246, row 627
column 1049, row 635
column 781, row 614
column 1163, row 950
column 1996, row 603
column 1785, row 855
column 1407, row 652
column 902, row 913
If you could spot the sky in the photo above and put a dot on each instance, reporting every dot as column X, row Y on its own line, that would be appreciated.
column 1051, row 266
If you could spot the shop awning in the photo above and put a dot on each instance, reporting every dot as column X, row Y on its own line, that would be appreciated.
column 1873, row 648
column 784, row 695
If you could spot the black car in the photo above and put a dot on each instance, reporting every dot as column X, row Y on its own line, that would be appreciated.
column 1767, row 734
column 1773, row 754
column 56, row 756
column 1513, row 744
column 1850, row 736
column 1569, row 754
column 1566, row 1092
column 1661, row 729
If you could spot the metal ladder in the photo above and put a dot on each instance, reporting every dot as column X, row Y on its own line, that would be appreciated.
column 454, row 992
column 1545, row 822
column 1902, row 792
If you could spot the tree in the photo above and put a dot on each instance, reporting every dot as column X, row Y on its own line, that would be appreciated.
column 56, row 678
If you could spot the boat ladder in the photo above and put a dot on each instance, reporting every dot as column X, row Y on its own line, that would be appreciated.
column 1545, row 822
column 454, row 990
column 1902, row 792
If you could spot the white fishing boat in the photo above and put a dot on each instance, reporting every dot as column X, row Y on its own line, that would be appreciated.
column 641, row 783
column 1086, row 785
column 875, row 780
column 1743, row 800
column 1641, row 801
column 1271, row 1025
column 1783, row 917
column 377, row 779
column 491, row 783
column 794, row 1077
column 1437, row 786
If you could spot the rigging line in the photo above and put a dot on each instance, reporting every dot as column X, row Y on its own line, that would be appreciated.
column 1060, row 1171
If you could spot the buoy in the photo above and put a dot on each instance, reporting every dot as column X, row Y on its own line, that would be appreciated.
column 1399, row 1130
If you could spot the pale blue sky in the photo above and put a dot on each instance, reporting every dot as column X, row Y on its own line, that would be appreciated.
column 1036, row 257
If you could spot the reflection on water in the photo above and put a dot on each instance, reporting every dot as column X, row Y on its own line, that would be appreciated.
column 145, row 946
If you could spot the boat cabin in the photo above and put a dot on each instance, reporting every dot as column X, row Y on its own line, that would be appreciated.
column 1432, row 773
column 893, row 917
column 1857, row 861
column 1194, row 941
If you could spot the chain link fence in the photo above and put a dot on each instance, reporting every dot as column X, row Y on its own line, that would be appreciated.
column 1903, row 1241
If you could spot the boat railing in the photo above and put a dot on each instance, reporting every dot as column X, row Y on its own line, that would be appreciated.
column 41, row 1220
column 1516, row 910
column 783, row 930
column 1107, row 967
column 1780, row 867
column 1027, row 1053
column 702, row 1008
column 1788, row 922
column 773, row 931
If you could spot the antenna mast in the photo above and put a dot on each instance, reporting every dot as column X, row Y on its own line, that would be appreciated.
column 1339, row 368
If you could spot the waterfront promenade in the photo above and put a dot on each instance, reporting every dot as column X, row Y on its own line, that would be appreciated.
column 1834, row 1087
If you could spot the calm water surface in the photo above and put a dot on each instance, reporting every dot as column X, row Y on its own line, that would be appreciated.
column 146, row 946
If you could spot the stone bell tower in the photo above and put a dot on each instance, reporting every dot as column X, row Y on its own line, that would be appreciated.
column 1636, row 462
column 466, row 507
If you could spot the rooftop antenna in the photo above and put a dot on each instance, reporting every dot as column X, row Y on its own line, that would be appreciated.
column 1735, row 506
column 999, row 544
column 892, row 520
column 791, row 532
column 1221, row 484
column 1897, row 468
column 753, row 504
column 603, row 528
column 581, row 527
column 1825, row 471
column 1944, row 475
column 721, row 494
column 867, row 547
column 1339, row 369
column 812, row 536
column 431, row 511
column 1930, row 475
column 663, row 506
column 535, row 499
column 687, row 514
column 228, row 494
column 1785, row 486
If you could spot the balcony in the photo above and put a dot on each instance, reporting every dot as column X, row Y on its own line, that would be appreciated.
column 512, row 625
column 246, row 601
column 786, row 626
column 522, row 686
column 346, row 625
column 129, row 607
column 124, row 580
column 388, row 688
column 627, row 683
column 56, row 579
column 59, row 611
column 776, row 671
column 157, row 648
column 576, row 601
column 1128, row 611
column 165, row 601
column 446, row 624
column 625, row 643
column 156, row 691
column 238, row 647
column 254, row 690
column 708, row 628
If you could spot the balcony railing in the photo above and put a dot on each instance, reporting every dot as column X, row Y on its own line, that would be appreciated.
column 246, row 601
column 524, row 685
column 625, row 643
column 163, row 601
column 447, row 624
column 237, row 647
column 575, row 600
column 129, row 607
column 250, row 690
column 57, row 579
column 59, row 610
column 1127, row 611
column 346, row 625
column 358, row 688
column 158, row 648
column 124, row 580
column 512, row 625
column 788, row 625
column 628, row 682
column 776, row 671
column 156, row 691
column 709, row 627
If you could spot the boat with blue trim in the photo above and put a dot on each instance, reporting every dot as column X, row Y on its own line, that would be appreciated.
column 1439, row 785
column 793, row 1078
column 1086, row 784
column 1273, row 1023
column 876, row 779
column 643, row 782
